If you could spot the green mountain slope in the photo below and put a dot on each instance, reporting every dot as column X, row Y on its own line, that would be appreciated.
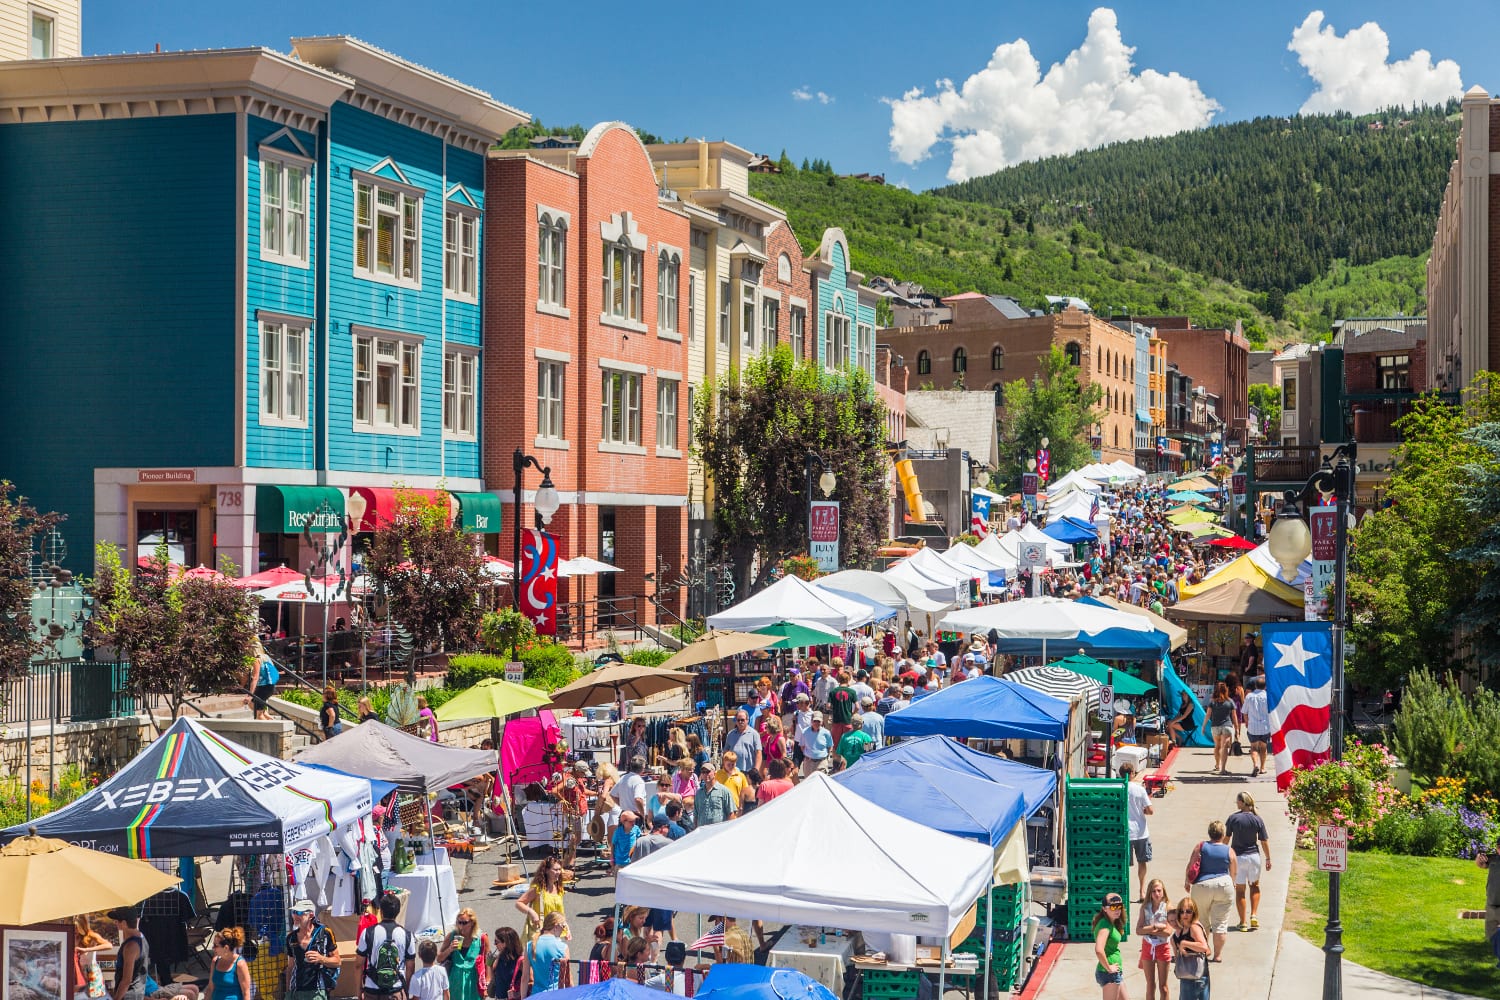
column 954, row 246
column 1389, row 287
column 1268, row 203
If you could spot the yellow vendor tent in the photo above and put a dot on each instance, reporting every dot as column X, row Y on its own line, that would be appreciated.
column 1244, row 569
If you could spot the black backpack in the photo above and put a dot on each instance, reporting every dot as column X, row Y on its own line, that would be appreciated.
column 385, row 963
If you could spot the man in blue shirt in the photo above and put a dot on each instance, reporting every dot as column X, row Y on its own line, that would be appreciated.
column 817, row 744
column 752, row 706
column 871, row 721
column 622, row 840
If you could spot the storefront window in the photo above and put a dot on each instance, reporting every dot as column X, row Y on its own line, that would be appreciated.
column 177, row 528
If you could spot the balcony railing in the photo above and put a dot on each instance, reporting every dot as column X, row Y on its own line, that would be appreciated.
column 1291, row 463
column 1372, row 416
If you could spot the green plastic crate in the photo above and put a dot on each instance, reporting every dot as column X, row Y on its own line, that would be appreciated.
column 879, row 984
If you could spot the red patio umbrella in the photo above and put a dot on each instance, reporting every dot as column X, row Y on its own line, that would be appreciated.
column 201, row 572
column 268, row 578
column 1233, row 542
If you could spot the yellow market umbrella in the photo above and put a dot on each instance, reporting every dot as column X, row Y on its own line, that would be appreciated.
column 716, row 646
column 47, row 880
column 491, row 698
column 1189, row 515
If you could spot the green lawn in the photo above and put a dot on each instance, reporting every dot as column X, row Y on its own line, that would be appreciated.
column 1401, row 917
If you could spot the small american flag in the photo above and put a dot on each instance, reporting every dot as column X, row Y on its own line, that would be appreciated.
column 1094, row 509
column 713, row 939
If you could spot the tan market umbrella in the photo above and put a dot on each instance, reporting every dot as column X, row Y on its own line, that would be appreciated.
column 716, row 646
column 617, row 681
column 47, row 880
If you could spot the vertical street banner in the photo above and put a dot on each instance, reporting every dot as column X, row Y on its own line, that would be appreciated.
column 979, row 515
column 538, row 593
column 1323, row 522
column 1029, row 489
column 1299, row 691
column 1043, row 464
column 823, row 532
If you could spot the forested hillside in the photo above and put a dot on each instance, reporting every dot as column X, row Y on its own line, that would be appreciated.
column 1268, row 204
column 955, row 246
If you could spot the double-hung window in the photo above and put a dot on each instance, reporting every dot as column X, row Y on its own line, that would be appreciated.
column 43, row 35
column 283, row 210
column 668, row 263
column 864, row 348
column 460, row 393
column 551, row 259
column 724, row 313
column 747, row 315
column 770, row 321
column 666, row 414
column 622, row 281
column 461, row 253
column 387, row 232
column 549, row 401
column 621, row 416
column 387, row 384
column 692, row 329
column 836, row 337
column 798, row 330
column 283, row 373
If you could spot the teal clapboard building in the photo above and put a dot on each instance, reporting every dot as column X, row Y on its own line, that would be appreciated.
column 248, row 286
column 844, row 327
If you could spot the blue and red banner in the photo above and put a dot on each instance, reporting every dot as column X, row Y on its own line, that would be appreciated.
column 1299, row 693
column 979, row 516
column 538, row 595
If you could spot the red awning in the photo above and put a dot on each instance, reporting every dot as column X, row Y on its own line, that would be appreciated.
column 381, row 504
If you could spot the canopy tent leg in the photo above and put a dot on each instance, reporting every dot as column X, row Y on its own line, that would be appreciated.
column 989, row 936
column 614, row 939
column 943, row 969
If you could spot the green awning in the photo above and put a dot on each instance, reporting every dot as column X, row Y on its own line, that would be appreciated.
column 286, row 510
column 480, row 512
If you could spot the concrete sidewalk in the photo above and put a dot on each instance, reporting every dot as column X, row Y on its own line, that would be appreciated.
column 1299, row 975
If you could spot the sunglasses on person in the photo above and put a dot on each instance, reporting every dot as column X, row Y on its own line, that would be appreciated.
column 1114, row 906
column 464, row 923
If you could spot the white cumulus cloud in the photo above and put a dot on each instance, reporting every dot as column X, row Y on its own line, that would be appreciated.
column 805, row 93
column 1009, row 111
column 1354, row 74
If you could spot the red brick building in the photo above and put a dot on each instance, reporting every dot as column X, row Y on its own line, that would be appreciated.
column 1218, row 360
column 586, row 268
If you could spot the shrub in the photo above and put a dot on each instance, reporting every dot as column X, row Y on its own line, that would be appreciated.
column 1442, row 731
column 72, row 784
column 1427, row 831
column 502, row 630
column 1335, row 792
column 648, row 657
column 549, row 666
column 468, row 669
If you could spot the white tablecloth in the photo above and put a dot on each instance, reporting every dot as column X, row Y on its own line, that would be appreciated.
column 824, row 962
column 433, row 898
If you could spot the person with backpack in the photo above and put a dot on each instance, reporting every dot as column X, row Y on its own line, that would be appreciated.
column 312, row 956
column 389, row 954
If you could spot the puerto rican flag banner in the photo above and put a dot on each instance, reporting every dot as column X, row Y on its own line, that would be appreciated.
column 539, row 579
column 979, row 519
column 1299, row 693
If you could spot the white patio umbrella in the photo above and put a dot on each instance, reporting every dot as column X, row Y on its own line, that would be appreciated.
column 1049, row 619
column 584, row 566
column 1059, row 682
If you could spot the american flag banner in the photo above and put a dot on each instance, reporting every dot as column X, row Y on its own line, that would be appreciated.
column 538, row 586
column 979, row 519
column 1094, row 509
column 1299, row 693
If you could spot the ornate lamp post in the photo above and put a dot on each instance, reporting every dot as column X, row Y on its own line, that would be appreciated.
column 826, row 482
column 1290, row 542
column 546, row 503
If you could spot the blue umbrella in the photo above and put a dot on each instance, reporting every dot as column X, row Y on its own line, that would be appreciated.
column 732, row 981
column 610, row 989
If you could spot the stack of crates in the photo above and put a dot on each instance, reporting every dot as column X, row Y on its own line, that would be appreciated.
column 1098, row 849
column 884, row 984
column 1008, row 914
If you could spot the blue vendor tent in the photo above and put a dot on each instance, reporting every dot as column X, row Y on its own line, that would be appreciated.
column 964, row 805
column 1070, row 530
column 732, row 981
column 614, row 988
column 1177, row 690
column 1035, row 784
column 983, row 708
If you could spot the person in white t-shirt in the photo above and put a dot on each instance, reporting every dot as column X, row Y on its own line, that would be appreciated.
column 1257, row 711
column 631, row 791
column 1138, row 807
column 430, row 982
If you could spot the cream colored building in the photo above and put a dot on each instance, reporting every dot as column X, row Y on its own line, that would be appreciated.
column 40, row 29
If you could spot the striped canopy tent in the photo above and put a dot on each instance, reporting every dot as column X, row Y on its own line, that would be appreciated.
column 1059, row 682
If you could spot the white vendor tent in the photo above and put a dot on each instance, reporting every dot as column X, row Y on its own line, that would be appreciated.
column 791, row 598
column 945, row 591
column 885, row 589
column 841, row 861
column 1004, row 549
column 1077, row 504
column 1057, row 552
column 1124, row 470
column 969, row 559
column 1074, row 481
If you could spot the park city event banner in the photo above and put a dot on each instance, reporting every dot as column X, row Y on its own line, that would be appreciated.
column 538, row 593
column 979, row 518
column 1299, row 693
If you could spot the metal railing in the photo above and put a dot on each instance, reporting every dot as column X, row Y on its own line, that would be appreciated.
column 71, row 690
column 1291, row 463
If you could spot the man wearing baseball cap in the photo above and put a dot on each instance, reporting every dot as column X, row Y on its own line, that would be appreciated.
column 816, row 744
column 714, row 803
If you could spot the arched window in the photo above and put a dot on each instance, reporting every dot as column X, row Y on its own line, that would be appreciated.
column 997, row 358
column 960, row 360
column 924, row 363
column 999, row 395
column 1117, row 437
column 1074, row 353
column 1099, row 358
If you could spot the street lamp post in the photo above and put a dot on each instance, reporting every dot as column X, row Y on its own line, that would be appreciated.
column 545, row 503
column 1290, row 542
column 826, row 482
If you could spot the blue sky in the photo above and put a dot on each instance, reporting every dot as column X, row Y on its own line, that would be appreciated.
column 727, row 71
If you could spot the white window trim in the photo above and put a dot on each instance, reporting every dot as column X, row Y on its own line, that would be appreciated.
column 554, row 218
column 357, row 332
column 460, row 350
column 559, row 358
column 378, row 183
column 674, row 379
column 623, row 366
column 50, row 16
column 639, row 371
column 306, row 164
column 676, row 257
column 547, row 354
column 284, row 322
column 458, row 208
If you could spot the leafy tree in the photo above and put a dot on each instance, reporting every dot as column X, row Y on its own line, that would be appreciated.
column 181, row 636
column 20, row 529
column 1407, row 586
column 752, row 435
column 1266, row 400
column 1276, row 303
column 1055, row 406
column 429, row 573
column 784, row 163
column 1479, row 497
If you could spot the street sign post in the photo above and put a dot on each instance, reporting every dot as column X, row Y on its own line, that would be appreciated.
column 515, row 672
column 1033, row 559
column 1333, row 848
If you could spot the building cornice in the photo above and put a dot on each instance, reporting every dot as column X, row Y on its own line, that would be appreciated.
column 163, row 84
column 412, row 95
